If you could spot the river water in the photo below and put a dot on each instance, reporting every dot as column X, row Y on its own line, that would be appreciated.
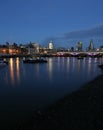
column 25, row 88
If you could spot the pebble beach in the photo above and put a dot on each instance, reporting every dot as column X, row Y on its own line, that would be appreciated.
column 81, row 110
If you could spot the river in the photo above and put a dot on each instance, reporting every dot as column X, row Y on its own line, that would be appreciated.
column 25, row 88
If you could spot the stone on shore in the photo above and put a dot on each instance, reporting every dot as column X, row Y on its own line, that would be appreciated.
column 81, row 110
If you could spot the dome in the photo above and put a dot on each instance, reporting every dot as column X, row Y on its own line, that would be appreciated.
column 51, row 46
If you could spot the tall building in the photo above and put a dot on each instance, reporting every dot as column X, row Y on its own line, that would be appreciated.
column 36, row 47
column 51, row 46
column 79, row 46
column 33, row 48
column 91, row 46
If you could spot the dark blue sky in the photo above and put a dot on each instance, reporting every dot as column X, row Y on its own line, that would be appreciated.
column 62, row 21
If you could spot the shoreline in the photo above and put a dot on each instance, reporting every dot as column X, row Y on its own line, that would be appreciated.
column 82, row 109
column 79, row 110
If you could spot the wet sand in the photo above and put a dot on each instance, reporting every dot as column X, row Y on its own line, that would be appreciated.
column 81, row 110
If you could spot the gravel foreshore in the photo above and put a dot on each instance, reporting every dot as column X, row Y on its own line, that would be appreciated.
column 81, row 110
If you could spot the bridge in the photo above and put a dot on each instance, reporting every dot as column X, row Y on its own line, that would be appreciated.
column 81, row 53
column 74, row 54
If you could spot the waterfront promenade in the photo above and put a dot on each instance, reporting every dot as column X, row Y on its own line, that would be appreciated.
column 81, row 110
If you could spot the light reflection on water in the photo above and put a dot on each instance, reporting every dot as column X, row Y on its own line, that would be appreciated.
column 18, row 73
column 50, row 67
column 18, row 70
column 26, row 87
column 12, row 71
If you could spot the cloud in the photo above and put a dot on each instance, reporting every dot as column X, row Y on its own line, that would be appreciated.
column 81, row 34
column 87, row 33
column 71, row 38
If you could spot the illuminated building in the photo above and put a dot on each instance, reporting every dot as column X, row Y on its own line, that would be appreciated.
column 79, row 46
column 51, row 46
column 36, row 47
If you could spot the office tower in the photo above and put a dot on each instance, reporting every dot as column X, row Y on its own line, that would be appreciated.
column 91, row 46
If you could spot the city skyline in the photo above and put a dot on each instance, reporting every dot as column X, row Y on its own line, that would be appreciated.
column 64, row 21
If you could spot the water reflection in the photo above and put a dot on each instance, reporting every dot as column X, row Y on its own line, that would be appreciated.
column 73, row 64
column 18, row 70
column 50, row 67
column 84, row 63
column 95, row 60
column 81, row 64
column 89, row 65
column 37, row 70
column 67, row 64
column 12, row 70
column 58, row 61
column 92, row 65
column 14, row 67
column 38, row 85
column 33, row 81
column 63, row 61
column 55, row 68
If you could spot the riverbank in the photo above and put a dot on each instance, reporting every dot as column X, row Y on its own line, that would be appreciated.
column 80, row 110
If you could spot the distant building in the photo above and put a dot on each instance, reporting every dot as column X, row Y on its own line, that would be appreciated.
column 36, row 47
column 101, row 48
column 33, row 48
column 91, row 46
column 61, row 49
column 4, row 50
column 51, row 46
column 72, row 49
column 79, row 46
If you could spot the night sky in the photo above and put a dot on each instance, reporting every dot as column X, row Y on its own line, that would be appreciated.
column 64, row 21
